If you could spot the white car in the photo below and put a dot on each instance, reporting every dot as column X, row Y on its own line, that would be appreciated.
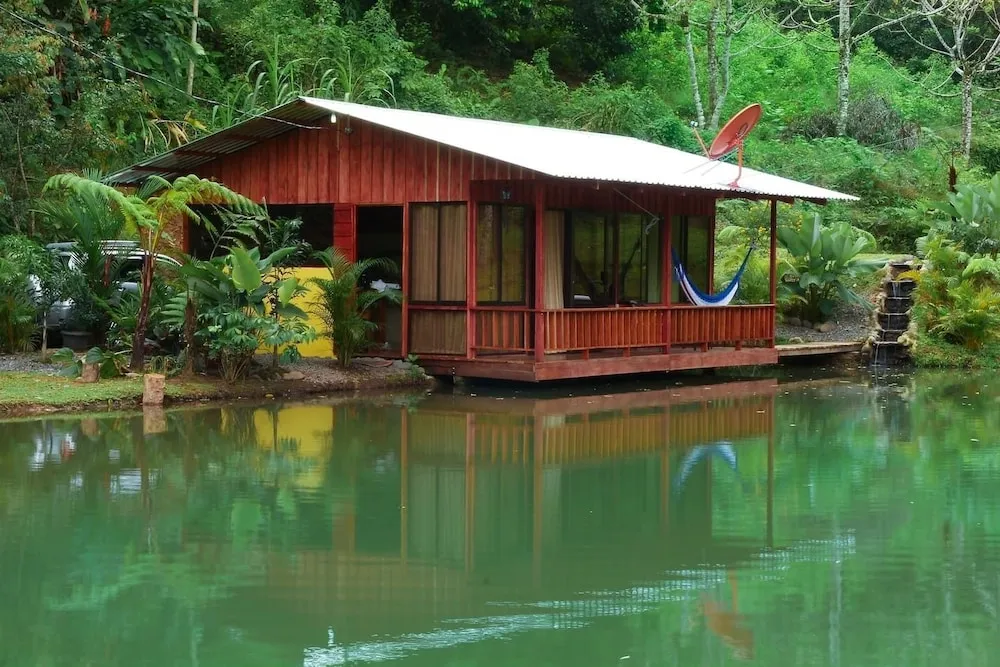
column 129, row 251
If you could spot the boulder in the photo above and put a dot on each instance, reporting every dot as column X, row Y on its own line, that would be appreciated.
column 294, row 375
column 793, row 321
column 807, row 324
column 826, row 327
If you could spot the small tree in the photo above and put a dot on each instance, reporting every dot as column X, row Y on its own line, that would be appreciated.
column 157, row 203
column 343, row 305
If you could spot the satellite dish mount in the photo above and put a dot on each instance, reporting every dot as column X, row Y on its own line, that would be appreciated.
column 731, row 138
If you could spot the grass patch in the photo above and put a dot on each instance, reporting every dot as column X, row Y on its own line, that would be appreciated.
column 43, row 390
column 932, row 353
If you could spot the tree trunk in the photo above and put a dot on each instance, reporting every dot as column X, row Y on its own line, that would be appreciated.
column 966, row 110
column 194, row 43
column 142, row 319
column 724, row 61
column 693, row 71
column 712, row 56
column 190, row 326
column 844, row 38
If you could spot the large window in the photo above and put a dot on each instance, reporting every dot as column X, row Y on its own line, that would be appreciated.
column 501, row 255
column 437, row 253
column 613, row 259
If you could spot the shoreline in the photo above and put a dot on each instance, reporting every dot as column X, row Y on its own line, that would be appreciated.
column 55, row 394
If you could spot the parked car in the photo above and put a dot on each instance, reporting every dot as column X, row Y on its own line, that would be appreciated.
column 129, row 252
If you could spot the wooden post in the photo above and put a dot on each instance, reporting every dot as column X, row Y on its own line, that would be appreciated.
column 668, row 280
column 774, row 252
column 404, row 343
column 711, row 253
column 470, row 279
column 539, row 271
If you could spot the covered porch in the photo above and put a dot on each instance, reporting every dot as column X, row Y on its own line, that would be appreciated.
column 571, row 280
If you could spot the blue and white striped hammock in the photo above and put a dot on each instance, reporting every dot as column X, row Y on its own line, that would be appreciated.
column 699, row 298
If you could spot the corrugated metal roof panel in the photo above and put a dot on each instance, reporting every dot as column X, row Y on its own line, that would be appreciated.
column 580, row 155
column 552, row 151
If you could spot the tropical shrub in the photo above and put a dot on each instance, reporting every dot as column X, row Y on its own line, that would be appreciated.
column 20, row 259
column 229, row 298
column 149, row 210
column 956, row 306
column 343, row 305
column 823, row 264
column 974, row 217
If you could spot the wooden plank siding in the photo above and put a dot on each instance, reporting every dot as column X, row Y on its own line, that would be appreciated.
column 370, row 165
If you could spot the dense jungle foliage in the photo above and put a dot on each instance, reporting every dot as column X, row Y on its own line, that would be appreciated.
column 100, row 83
column 893, row 102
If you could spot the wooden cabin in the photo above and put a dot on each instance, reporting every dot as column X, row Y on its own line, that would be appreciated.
column 527, row 253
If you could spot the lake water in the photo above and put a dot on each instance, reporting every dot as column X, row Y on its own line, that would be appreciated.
column 847, row 521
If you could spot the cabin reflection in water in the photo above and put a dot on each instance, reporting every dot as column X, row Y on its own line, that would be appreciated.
column 490, row 507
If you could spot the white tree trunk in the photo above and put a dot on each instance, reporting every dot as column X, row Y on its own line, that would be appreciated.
column 194, row 43
column 712, row 57
column 725, row 58
column 844, row 39
column 693, row 72
column 966, row 111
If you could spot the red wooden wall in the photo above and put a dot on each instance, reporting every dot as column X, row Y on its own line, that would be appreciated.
column 368, row 165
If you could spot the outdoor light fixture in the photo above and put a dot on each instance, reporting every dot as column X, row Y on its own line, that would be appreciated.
column 333, row 118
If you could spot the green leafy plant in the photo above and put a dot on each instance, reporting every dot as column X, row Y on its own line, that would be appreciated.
column 824, row 262
column 343, row 306
column 973, row 217
column 20, row 260
column 111, row 364
column 229, row 298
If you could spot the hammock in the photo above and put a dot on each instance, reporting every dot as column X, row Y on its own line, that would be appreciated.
column 699, row 298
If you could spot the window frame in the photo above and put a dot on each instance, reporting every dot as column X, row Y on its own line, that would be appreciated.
column 438, row 207
column 526, row 248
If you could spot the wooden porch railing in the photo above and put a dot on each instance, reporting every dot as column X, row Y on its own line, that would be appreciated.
column 511, row 328
column 503, row 329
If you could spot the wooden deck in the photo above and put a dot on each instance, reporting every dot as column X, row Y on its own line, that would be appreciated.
column 820, row 349
column 569, row 366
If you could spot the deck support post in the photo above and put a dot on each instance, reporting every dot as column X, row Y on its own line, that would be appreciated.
column 774, row 252
column 539, row 271
column 404, row 343
column 774, row 264
column 668, row 285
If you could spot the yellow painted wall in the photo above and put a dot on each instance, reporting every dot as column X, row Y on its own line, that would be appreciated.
column 310, row 427
column 321, row 347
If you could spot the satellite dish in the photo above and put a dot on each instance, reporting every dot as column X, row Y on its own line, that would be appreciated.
column 731, row 137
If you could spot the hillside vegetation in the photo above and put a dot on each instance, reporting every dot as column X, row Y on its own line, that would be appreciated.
column 99, row 84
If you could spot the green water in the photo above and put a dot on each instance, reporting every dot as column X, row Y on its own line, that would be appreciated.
column 851, row 521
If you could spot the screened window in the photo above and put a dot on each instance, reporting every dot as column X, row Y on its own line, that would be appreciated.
column 613, row 259
column 437, row 253
column 501, row 249
column 691, row 242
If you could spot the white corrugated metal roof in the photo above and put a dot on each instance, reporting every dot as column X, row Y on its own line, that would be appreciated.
column 551, row 151
column 579, row 155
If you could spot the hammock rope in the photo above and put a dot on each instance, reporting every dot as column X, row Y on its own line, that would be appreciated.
column 699, row 298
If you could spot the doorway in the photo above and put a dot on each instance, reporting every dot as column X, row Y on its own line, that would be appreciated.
column 380, row 234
